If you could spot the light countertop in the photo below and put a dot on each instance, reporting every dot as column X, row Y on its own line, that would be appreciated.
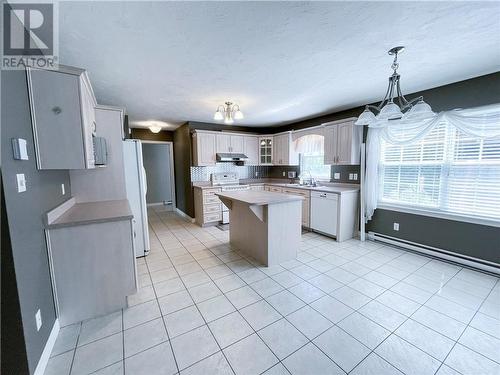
column 331, row 187
column 91, row 213
column 258, row 198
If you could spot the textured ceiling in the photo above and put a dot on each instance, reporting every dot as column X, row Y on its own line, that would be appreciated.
column 281, row 61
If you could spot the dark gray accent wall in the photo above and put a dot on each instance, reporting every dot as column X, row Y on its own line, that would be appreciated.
column 25, row 212
column 344, row 171
column 156, row 159
column 182, row 165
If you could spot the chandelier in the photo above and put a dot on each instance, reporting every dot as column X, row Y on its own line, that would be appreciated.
column 228, row 112
column 395, row 106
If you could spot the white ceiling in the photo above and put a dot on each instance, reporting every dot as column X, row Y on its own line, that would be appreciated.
column 281, row 61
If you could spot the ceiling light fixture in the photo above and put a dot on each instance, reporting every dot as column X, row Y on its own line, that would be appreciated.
column 155, row 128
column 388, row 109
column 228, row 112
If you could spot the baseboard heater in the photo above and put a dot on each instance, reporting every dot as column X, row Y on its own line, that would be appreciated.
column 448, row 256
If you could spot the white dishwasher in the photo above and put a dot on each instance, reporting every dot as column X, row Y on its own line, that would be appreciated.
column 324, row 212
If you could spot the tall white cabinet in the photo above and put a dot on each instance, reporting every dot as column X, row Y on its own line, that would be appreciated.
column 204, row 148
column 342, row 142
column 283, row 150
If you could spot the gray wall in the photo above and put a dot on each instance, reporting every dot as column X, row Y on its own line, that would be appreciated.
column 25, row 211
column 156, row 159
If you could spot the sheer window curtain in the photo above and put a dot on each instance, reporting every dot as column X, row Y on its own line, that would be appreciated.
column 480, row 122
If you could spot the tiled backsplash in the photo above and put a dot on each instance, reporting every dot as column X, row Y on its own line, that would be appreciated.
column 203, row 173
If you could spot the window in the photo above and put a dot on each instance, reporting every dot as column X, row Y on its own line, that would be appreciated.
column 311, row 150
column 447, row 171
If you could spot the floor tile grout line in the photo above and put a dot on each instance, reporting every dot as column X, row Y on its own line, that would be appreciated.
column 398, row 280
column 208, row 327
column 468, row 325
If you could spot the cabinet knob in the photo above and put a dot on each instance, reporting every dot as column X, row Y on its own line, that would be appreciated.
column 57, row 110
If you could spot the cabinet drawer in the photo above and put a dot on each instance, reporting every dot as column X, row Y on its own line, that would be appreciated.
column 212, row 217
column 210, row 192
column 211, row 208
column 303, row 193
column 210, row 199
column 275, row 189
column 257, row 187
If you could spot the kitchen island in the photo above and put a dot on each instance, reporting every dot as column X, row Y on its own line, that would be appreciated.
column 264, row 225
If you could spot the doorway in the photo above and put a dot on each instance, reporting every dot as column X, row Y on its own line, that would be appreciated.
column 158, row 163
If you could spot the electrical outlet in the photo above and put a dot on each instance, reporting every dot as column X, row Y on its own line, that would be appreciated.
column 396, row 227
column 63, row 189
column 355, row 176
column 284, row 174
column 336, row 176
column 38, row 318
column 21, row 182
column 256, row 174
column 351, row 176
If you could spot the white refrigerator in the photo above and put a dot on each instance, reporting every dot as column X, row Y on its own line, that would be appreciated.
column 136, row 185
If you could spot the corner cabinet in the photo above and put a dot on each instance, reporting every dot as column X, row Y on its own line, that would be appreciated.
column 342, row 142
column 62, row 105
column 204, row 149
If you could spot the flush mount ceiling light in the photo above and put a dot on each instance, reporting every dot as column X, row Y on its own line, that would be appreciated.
column 155, row 128
column 394, row 106
column 228, row 112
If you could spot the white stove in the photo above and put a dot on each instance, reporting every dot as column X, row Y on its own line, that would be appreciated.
column 228, row 181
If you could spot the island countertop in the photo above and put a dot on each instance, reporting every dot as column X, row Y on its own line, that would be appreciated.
column 258, row 198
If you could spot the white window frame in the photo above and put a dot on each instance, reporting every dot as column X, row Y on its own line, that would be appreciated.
column 430, row 211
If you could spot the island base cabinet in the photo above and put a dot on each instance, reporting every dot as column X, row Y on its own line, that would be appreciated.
column 93, row 269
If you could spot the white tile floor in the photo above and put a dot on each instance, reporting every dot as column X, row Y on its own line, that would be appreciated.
column 357, row 308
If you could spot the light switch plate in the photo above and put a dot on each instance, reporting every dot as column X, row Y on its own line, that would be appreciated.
column 19, row 149
column 355, row 176
column 63, row 189
column 336, row 176
column 21, row 182
column 396, row 227
column 38, row 318
column 351, row 176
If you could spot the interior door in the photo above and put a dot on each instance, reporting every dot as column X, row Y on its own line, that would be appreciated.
column 156, row 161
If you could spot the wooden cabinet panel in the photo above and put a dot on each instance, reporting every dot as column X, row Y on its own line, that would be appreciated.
column 58, row 103
column 223, row 143
column 251, row 150
column 237, row 144
column 344, row 144
column 204, row 149
column 330, row 155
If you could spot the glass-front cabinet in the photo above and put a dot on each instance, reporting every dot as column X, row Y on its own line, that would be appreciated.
column 265, row 150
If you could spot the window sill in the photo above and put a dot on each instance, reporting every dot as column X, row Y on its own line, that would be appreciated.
column 439, row 214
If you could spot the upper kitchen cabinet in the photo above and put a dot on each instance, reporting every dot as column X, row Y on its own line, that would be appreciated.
column 266, row 150
column 204, row 148
column 227, row 143
column 283, row 150
column 251, row 149
column 62, row 106
column 342, row 142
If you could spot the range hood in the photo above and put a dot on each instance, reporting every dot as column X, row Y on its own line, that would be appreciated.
column 231, row 157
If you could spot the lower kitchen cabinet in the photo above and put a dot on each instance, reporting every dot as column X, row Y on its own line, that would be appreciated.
column 92, row 260
column 306, row 203
column 207, row 206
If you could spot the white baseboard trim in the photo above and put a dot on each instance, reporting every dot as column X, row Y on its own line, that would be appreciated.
column 47, row 350
column 184, row 215
column 445, row 255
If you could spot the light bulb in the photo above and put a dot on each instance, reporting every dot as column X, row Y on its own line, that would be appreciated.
column 365, row 118
column 218, row 115
column 155, row 128
column 419, row 110
column 390, row 111
column 238, row 115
